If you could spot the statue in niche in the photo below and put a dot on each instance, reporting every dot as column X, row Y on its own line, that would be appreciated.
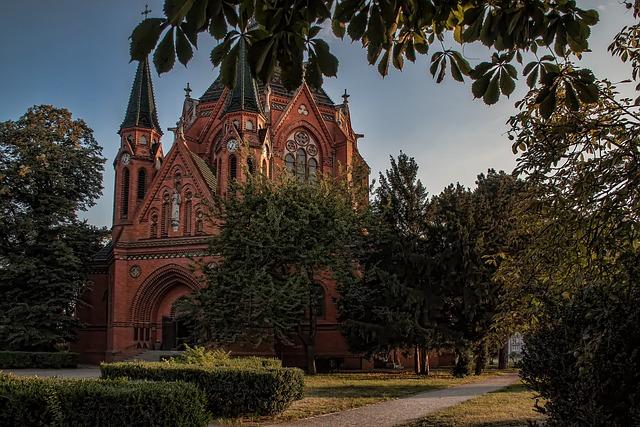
column 175, row 207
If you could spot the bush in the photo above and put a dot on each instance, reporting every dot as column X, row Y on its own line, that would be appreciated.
column 212, row 358
column 35, row 359
column 95, row 402
column 584, row 358
column 230, row 391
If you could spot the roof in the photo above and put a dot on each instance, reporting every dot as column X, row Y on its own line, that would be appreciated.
column 104, row 254
column 244, row 95
column 214, row 92
column 141, row 111
column 278, row 89
column 205, row 170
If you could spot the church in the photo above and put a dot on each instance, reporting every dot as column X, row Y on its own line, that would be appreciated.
column 159, row 218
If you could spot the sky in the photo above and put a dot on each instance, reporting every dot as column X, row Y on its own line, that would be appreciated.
column 75, row 54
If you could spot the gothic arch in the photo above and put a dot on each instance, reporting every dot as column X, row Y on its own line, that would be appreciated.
column 153, row 289
column 323, row 145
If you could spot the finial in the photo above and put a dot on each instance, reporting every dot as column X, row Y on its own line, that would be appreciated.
column 146, row 11
column 187, row 91
column 345, row 97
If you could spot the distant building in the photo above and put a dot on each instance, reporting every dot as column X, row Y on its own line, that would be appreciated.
column 158, row 213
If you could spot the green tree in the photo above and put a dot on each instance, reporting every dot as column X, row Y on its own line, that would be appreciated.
column 288, row 32
column 279, row 242
column 378, row 312
column 50, row 168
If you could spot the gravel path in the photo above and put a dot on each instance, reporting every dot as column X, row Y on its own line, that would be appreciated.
column 401, row 411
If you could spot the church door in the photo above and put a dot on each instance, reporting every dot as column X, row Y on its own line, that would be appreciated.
column 168, row 333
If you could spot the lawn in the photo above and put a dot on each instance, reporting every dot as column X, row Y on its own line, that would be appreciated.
column 509, row 407
column 327, row 393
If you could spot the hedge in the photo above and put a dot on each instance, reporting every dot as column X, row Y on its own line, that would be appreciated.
column 37, row 359
column 230, row 391
column 95, row 402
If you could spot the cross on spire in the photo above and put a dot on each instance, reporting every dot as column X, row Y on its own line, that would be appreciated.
column 187, row 91
column 345, row 97
column 146, row 11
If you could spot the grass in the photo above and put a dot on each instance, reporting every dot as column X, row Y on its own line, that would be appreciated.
column 327, row 393
column 509, row 407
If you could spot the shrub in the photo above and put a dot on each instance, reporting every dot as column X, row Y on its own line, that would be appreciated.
column 96, row 402
column 230, row 391
column 584, row 360
column 211, row 358
column 36, row 359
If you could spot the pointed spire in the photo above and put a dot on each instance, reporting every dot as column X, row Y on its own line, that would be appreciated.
column 141, row 111
column 244, row 95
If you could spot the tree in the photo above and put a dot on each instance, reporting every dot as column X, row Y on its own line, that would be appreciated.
column 378, row 312
column 288, row 32
column 50, row 168
column 280, row 242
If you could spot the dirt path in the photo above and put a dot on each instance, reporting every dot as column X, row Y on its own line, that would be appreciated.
column 401, row 411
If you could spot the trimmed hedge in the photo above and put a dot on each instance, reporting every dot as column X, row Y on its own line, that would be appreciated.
column 95, row 402
column 37, row 359
column 230, row 391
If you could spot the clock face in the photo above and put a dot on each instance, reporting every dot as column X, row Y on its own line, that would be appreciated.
column 232, row 145
column 125, row 158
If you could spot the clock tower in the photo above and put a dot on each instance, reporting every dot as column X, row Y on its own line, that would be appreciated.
column 140, row 155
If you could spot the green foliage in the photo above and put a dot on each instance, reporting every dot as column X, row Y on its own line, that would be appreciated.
column 230, row 391
column 219, row 358
column 90, row 402
column 583, row 358
column 285, row 32
column 50, row 168
column 40, row 360
column 279, row 240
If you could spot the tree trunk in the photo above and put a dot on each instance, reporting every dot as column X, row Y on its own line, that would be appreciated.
column 462, row 362
column 503, row 357
column 416, row 361
column 311, row 359
column 424, row 361
column 482, row 357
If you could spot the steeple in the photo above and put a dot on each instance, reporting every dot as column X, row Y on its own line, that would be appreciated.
column 141, row 111
column 244, row 95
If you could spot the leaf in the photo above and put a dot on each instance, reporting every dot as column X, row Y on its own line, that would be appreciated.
column 571, row 99
column 176, row 10
column 218, row 27
column 507, row 84
column 219, row 52
column 326, row 61
column 462, row 63
column 548, row 104
column 197, row 16
column 455, row 72
column 479, row 87
column 358, row 25
column 313, row 75
column 397, row 57
column 532, row 78
column 588, row 93
column 492, row 93
column 228, row 66
column 339, row 28
column 183, row 47
column 383, row 65
column 145, row 37
column 165, row 55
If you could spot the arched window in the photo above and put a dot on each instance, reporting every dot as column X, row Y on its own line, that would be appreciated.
column 313, row 169
column 166, row 216
column 289, row 162
column 153, row 229
column 250, row 165
column 124, row 202
column 187, row 213
column 233, row 167
column 199, row 222
column 301, row 164
column 264, row 167
column 142, row 183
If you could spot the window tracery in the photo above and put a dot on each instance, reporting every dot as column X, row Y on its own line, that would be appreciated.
column 301, row 156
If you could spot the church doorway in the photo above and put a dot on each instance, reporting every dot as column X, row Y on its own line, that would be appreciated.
column 176, row 329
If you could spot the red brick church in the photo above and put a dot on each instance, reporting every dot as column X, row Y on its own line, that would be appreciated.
column 159, row 226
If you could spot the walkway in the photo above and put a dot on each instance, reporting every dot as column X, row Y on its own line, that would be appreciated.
column 404, row 410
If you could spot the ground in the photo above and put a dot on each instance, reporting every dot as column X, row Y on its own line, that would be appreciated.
column 510, row 407
column 328, row 393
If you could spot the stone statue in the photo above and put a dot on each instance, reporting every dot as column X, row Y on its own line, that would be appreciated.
column 175, row 210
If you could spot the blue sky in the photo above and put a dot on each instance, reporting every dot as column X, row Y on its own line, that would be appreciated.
column 74, row 54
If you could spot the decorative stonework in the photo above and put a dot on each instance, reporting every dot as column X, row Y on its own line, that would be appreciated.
column 279, row 107
column 302, row 109
column 135, row 271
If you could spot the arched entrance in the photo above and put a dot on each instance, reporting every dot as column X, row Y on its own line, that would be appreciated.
column 176, row 327
column 154, row 308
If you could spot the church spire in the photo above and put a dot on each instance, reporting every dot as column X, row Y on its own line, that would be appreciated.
column 141, row 111
column 244, row 94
